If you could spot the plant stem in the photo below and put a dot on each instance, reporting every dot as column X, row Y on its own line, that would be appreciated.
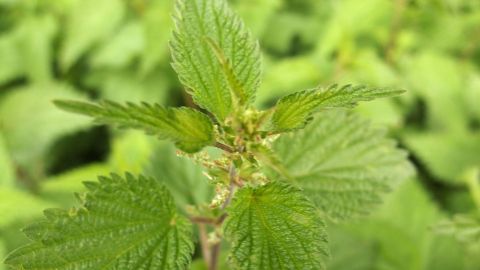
column 224, row 147
column 204, row 244
column 203, row 220
column 214, row 256
column 233, row 179
column 214, row 253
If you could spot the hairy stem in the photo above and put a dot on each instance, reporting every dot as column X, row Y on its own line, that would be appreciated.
column 216, row 248
column 233, row 179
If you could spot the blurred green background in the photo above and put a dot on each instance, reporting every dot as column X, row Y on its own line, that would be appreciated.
column 118, row 50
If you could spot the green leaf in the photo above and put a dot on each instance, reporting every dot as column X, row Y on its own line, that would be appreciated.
column 198, row 64
column 190, row 129
column 399, row 236
column 184, row 178
column 285, row 76
column 2, row 254
column 466, row 228
column 275, row 227
column 83, row 32
column 31, row 124
column 11, row 66
column 123, row 85
column 121, row 49
column 257, row 13
column 295, row 111
column 131, row 152
column 447, row 155
column 128, row 223
column 17, row 205
column 342, row 163
column 395, row 237
column 37, row 37
column 157, row 26
column 445, row 107
column 7, row 172
column 59, row 188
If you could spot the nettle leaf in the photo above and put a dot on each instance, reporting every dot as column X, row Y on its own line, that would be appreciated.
column 275, row 227
column 190, row 129
column 447, row 155
column 342, row 163
column 296, row 110
column 124, row 223
column 214, row 56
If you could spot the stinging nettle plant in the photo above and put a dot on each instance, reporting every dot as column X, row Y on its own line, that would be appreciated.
column 283, row 172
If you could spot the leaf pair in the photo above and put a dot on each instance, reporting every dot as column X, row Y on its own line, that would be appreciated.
column 132, row 223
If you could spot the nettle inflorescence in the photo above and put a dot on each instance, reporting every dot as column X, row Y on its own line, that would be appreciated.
column 283, row 172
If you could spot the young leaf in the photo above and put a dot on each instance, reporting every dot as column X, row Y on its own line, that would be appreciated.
column 342, row 163
column 124, row 223
column 190, row 129
column 208, row 71
column 294, row 111
column 275, row 227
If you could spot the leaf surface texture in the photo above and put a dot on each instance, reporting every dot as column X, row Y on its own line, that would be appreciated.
column 296, row 110
column 124, row 223
column 198, row 23
column 190, row 129
column 275, row 227
column 342, row 162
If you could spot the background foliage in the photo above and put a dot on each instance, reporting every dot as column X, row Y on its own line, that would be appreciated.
column 53, row 49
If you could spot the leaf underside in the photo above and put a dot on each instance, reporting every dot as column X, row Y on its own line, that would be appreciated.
column 275, row 227
column 198, row 23
column 296, row 110
column 190, row 129
column 342, row 163
column 124, row 223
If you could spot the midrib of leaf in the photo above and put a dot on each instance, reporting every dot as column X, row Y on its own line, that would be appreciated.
column 165, row 252
column 135, row 244
column 193, row 133
column 208, row 53
column 291, row 111
column 274, row 227
column 268, row 231
column 81, row 236
column 155, row 246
